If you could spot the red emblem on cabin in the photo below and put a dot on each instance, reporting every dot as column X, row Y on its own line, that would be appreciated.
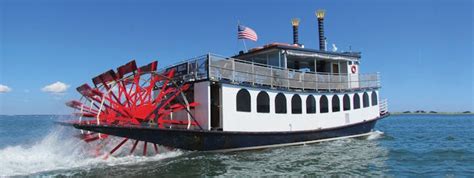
column 353, row 69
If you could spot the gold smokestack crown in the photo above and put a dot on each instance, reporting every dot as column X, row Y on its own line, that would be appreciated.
column 295, row 21
column 320, row 13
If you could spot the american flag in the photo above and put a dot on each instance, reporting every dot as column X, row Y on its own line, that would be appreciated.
column 246, row 33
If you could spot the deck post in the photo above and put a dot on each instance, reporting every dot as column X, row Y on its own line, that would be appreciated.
column 302, row 79
column 253, row 74
column 271, row 76
column 233, row 71
column 288, row 79
column 349, row 81
column 208, row 62
column 330, row 82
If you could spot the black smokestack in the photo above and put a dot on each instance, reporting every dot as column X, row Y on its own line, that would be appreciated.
column 322, row 40
column 295, row 23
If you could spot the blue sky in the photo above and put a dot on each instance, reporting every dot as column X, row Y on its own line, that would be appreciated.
column 423, row 49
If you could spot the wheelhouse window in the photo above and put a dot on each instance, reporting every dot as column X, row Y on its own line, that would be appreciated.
column 323, row 104
column 375, row 100
column 346, row 102
column 356, row 101
column 280, row 103
column 310, row 105
column 365, row 100
column 243, row 100
column 336, row 106
column 263, row 102
column 296, row 104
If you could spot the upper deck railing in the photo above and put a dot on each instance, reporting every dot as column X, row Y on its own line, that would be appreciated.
column 218, row 68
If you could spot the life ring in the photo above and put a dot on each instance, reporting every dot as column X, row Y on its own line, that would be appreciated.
column 354, row 69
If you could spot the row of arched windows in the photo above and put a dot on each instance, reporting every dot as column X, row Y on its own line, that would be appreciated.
column 263, row 102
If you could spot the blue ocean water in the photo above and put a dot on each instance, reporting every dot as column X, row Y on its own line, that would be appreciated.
column 401, row 146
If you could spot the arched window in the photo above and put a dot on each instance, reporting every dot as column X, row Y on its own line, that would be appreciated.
column 336, row 106
column 296, row 104
column 323, row 104
column 356, row 101
column 365, row 100
column 280, row 103
column 346, row 102
column 263, row 102
column 375, row 100
column 310, row 104
column 243, row 100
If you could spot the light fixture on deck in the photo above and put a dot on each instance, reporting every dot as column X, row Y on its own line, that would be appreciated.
column 320, row 13
column 295, row 21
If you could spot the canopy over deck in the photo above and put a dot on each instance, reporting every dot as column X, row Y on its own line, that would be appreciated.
column 296, row 57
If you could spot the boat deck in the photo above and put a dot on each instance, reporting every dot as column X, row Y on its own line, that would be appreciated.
column 230, row 70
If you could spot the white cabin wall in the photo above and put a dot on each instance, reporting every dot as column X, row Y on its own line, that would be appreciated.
column 354, row 77
column 253, row 121
column 202, row 112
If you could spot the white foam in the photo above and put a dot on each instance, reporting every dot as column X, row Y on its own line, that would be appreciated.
column 54, row 152
column 375, row 135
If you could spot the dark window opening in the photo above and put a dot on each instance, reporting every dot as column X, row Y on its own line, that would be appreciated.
column 310, row 105
column 336, row 106
column 243, row 100
column 263, row 102
column 356, row 101
column 323, row 104
column 346, row 102
column 375, row 100
column 280, row 103
column 296, row 104
column 365, row 100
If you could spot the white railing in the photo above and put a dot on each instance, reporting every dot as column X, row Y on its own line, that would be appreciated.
column 191, row 69
column 383, row 106
column 238, row 71
column 218, row 68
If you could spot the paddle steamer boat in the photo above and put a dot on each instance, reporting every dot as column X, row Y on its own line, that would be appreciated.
column 275, row 95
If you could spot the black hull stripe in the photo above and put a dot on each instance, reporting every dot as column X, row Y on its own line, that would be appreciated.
column 231, row 141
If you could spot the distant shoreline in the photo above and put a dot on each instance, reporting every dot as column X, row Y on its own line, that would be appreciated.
column 438, row 113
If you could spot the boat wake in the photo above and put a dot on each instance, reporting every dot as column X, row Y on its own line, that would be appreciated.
column 59, row 152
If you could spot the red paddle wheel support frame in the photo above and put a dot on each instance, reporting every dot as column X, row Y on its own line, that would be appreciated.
column 132, row 96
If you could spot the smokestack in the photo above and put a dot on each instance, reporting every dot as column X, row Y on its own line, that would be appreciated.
column 295, row 23
column 322, row 40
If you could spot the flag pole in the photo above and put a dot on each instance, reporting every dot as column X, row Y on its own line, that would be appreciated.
column 245, row 46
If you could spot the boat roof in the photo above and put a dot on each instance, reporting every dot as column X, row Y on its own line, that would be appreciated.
column 294, row 48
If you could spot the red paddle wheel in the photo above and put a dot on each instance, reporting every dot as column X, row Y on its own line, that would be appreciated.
column 133, row 97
